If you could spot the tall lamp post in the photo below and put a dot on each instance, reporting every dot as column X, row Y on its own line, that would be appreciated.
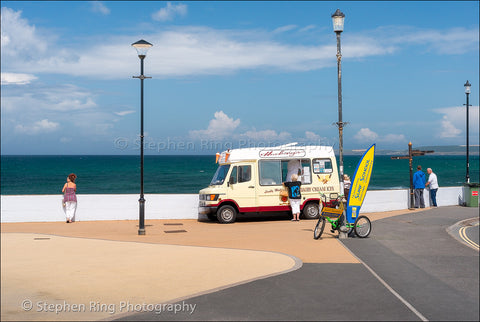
column 142, row 47
column 467, row 92
column 338, row 19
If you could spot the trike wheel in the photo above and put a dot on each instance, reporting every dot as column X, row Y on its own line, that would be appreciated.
column 362, row 226
column 318, row 231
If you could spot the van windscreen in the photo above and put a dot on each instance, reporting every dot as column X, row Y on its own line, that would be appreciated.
column 220, row 175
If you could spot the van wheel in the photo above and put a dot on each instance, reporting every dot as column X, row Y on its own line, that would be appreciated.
column 311, row 211
column 226, row 214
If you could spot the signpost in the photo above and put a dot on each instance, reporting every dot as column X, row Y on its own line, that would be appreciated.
column 411, row 154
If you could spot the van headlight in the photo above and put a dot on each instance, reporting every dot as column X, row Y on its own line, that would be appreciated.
column 209, row 197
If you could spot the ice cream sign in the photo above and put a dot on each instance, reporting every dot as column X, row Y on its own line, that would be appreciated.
column 281, row 153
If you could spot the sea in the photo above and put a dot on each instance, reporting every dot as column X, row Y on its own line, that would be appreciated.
column 42, row 175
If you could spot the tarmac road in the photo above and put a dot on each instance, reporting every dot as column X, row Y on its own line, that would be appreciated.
column 415, row 255
column 472, row 234
column 434, row 277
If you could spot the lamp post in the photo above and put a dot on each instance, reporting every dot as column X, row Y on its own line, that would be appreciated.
column 467, row 92
column 142, row 47
column 338, row 20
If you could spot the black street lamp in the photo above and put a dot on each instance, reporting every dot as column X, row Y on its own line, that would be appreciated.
column 142, row 47
column 467, row 92
column 338, row 19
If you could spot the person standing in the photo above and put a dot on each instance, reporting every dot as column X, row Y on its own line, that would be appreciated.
column 433, row 184
column 347, row 183
column 70, row 198
column 294, row 196
column 419, row 185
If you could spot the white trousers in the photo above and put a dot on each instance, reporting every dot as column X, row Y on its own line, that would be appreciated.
column 295, row 204
column 70, row 209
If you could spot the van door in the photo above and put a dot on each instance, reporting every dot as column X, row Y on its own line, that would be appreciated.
column 241, row 187
column 270, row 185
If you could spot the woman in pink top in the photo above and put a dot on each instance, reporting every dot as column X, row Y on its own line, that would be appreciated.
column 70, row 198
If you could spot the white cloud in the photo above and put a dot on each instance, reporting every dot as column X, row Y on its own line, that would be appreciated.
column 266, row 136
column 453, row 121
column 449, row 130
column 284, row 29
column 19, row 37
column 43, row 99
column 215, row 51
column 42, row 126
column 123, row 113
column 312, row 136
column 308, row 28
column 17, row 78
column 450, row 41
column 223, row 127
column 67, row 106
column 367, row 135
column 100, row 7
column 220, row 127
column 170, row 11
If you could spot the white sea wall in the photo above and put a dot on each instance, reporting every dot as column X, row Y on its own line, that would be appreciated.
column 48, row 208
column 387, row 200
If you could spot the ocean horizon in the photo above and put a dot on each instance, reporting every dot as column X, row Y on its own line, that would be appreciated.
column 176, row 174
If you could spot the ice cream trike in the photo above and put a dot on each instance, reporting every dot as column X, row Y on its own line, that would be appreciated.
column 360, row 227
column 343, row 215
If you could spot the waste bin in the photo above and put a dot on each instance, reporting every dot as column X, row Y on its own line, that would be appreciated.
column 470, row 191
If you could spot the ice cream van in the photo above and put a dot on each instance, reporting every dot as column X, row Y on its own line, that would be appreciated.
column 250, row 180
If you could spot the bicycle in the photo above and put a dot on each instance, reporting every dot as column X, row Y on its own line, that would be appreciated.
column 361, row 227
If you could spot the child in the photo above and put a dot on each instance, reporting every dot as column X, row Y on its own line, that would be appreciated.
column 294, row 196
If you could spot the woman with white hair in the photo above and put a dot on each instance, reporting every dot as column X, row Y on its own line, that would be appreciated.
column 294, row 196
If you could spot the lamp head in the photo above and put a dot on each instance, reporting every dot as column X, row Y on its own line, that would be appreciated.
column 142, row 47
column 467, row 87
column 338, row 19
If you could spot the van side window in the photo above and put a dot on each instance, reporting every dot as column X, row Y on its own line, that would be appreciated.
column 233, row 175
column 306, row 172
column 244, row 173
column 322, row 166
column 270, row 172
column 301, row 167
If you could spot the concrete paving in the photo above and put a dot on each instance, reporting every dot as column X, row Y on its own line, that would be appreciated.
column 225, row 278
column 436, row 276
column 47, row 277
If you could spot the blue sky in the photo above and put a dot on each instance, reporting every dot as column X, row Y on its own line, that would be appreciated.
column 234, row 74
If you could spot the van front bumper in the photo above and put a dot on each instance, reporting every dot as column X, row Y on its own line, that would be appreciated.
column 206, row 210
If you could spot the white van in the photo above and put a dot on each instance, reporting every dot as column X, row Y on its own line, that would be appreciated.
column 251, row 180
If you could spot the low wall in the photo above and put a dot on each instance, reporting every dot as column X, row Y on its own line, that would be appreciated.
column 48, row 208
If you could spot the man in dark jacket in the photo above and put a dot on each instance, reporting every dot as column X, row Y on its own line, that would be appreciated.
column 419, row 185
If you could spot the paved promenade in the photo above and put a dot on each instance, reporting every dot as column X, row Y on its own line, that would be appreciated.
column 189, row 270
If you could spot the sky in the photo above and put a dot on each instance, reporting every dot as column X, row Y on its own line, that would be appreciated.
column 235, row 74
